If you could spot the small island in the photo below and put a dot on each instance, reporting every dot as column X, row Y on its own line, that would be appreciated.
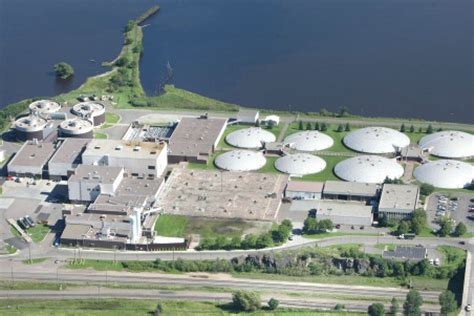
column 63, row 70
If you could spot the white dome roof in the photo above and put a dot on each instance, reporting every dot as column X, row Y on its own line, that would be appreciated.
column 376, row 140
column 368, row 169
column 449, row 144
column 300, row 164
column 240, row 160
column 309, row 141
column 250, row 137
column 446, row 174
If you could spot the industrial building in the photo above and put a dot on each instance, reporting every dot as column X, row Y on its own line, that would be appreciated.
column 67, row 157
column 376, row 140
column 195, row 139
column 240, row 160
column 211, row 193
column 247, row 116
column 44, row 108
column 398, row 201
column 78, row 128
column 139, row 159
column 406, row 253
column 90, row 110
column 446, row 174
column 304, row 190
column 32, row 127
column 368, row 169
column 351, row 191
column 309, row 141
column 251, row 138
column 31, row 160
column 345, row 213
column 87, row 182
column 449, row 144
column 300, row 164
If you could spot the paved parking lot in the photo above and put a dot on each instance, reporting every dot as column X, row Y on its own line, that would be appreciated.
column 455, row 206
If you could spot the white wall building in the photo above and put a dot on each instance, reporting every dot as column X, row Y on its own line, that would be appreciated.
column 137, row 158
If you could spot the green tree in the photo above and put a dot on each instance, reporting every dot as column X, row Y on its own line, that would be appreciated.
column 418, row 221
column 446, row 226
column 63, row 70
column 343, row 111
column 412, row 304
column 412, row 129
column 130, row 25
column 448, row 303
column 347, row 128
column 403, row 228
column 376, row 309
column 426, row 189
column 309, row 126
column 324, row 112
column 340, row 128
column 273, row 304
column 158, row 310
column 122, row 61
column 420, row 130
column 264, row 240
column 339, row 307
column 310, row 225
column 235, row 243
column 394, row 306
column 249, row 242
column 246, row 301
column 402, row 128
column 325, row 224
column 429, row 130
column 324, row 127
column 300, row 125
column 316, row 126
column 460, row 229
column 440, row 129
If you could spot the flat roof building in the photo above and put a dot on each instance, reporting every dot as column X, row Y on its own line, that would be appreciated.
column 404, row 253
column 398, row 200
column 248, row 116
column 31, row 160
column 195, row 139
column 87, row 182
column 139, row 159
column 67, row 157
column 304, row 190
column 344, row 213
column 350, row 191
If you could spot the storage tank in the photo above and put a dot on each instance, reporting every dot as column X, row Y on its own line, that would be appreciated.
column 30, row 127
column 75, row 127
column 93, row 111
column 44, row 107
column 251, row 138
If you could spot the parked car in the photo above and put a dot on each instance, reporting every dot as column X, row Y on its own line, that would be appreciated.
column 30, row 221
column 338, row 226
column 468, row 308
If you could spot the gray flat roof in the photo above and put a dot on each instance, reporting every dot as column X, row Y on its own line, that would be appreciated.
column 99, row 174
column 407, row 252
column 305, row 186
column 337, row 208
column 139, row 187
column 195, row 136
column 122, row 203
column 33, row 154
column 70, row 150
column 124, row 149
column 350, row 188
column 399, row 196
column 73, row 231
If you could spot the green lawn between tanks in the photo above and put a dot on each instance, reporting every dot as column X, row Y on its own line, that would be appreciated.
column 182, row 226
column 100, row 135
column 134, row 307
column 110, row 120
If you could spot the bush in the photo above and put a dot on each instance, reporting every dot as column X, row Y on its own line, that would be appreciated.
column 63, row 70
column 273, row 304
column 246, row 301
column 376, row 309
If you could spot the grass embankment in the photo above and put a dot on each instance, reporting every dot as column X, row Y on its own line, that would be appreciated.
column 182, row 226
column 110, row 120
column 139, row 307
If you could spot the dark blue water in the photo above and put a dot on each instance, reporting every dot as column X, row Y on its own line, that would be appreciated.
column 399, row 58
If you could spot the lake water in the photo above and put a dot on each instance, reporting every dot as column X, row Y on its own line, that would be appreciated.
column 397, row 58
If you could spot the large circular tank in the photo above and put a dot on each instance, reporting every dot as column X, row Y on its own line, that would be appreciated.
column 446, row 174
column 449, row 144
column 252, row 137
column 309, row 141
column 44, row 107
column 93, row 111
column 30, row 127
column 376, row 140
column 240, row 160
column 368, row 169
column 300, row 164
column 76, row 128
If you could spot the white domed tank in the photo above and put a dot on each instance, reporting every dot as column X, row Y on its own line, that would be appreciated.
column 376, row 140
column 30, row 127
column 240, row 160
column 300, row 164
column 252, row 137
column 449, row 144
column 446, row 174
column 44, row 107
column 75, row 127
column 309, row 141
column 368, row 169
column 91, row 110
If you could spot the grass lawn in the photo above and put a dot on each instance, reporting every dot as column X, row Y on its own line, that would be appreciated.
column 336, row 234
column 182, row 226
column 10, row 249
column 38, row 232
column 114, row 307
column 15, row 232
column 453, row 256
column 389, row 247
column 27, row 285
column 34, row 261
column 110, row 120
column 328, row 172
column 100, row 135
